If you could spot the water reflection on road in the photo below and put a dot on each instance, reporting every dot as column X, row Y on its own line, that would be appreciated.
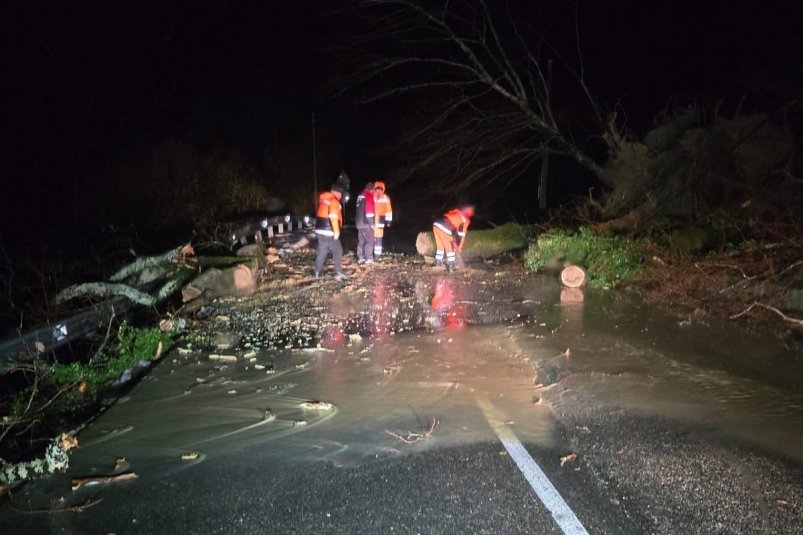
column 396, row 394
column 707, row 373
column 396, row 384
column 617, row 353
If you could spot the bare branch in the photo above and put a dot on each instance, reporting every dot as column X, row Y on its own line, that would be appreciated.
column 488, row 110
column 783, row 316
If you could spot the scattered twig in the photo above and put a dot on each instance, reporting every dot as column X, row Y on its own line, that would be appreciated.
column 413, row 438
column 74, row 509
column 788, row 268
column 755, row 304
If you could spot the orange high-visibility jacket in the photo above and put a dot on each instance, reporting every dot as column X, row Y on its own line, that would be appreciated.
column 454, row 222
column 382, row 207
column 329, row 217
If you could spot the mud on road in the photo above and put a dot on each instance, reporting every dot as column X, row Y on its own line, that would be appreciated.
column 291, row 309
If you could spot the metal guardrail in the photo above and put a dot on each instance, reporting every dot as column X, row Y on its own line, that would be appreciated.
column 47, row 338
column 268, row 228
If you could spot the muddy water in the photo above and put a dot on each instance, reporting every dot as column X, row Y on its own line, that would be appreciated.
column 393, row 394
column 706, row 371
column 389, row 396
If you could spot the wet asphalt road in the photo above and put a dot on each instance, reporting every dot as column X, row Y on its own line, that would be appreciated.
column 649, row 457
column 469, row 489
column 670, row 480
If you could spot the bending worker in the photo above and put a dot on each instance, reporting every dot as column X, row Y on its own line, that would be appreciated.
column 328, row 223
column 450, row 234
column 384, row 216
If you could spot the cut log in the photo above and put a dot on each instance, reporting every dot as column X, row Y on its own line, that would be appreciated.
column 573, row 276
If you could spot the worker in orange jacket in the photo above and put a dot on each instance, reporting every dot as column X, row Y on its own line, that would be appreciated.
column 328, row 224
column 384, row 216
column 450, row 234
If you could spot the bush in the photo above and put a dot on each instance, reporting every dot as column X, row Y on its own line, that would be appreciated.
column 133, row 345
column 610, row 260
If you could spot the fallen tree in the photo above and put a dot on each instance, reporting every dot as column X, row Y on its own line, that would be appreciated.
column 700, row 168
column 482, row 243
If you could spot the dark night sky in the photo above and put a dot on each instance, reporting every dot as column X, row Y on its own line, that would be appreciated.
column 86, row 81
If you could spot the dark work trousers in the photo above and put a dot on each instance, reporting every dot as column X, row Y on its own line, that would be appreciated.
column 365, row 243
column 326, row 245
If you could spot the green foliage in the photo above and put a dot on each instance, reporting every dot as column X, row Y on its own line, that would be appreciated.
column 19, row 406
column 133, row 345
column 193, row 339
column 609, row 260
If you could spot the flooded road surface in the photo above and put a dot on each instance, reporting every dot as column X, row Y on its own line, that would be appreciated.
column 707, row 372
column 634, row 416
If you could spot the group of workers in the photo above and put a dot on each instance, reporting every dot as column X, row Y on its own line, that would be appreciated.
column 374, row 213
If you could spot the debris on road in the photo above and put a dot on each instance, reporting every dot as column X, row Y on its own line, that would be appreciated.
column 317, row 406
column 223, row 358
column 78, row 482
column 413, row 438
column 567, row 459
column 54, row 461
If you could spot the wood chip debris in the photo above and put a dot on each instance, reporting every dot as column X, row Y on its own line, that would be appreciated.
column 223, row 358
column 191, row 456
column 315, row 405
column 567, row 459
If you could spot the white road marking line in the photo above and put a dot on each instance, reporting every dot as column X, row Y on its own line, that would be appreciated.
column 546, row 492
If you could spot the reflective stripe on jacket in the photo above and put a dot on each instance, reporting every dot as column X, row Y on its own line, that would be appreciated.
column 365, row 210
column 384, row 211
column 382, row 206
column 329, row 215
column 453, row 222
